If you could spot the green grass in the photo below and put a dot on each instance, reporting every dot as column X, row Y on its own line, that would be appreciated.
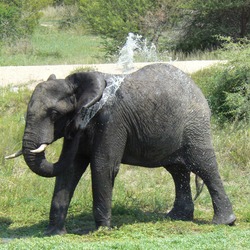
column 141, row 198
column 150, row 236
column 49, row 45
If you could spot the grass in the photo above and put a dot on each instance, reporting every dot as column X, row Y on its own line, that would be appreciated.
column 141, row 198
column 50, row 45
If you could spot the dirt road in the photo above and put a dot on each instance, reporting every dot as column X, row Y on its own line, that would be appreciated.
column 31, row 75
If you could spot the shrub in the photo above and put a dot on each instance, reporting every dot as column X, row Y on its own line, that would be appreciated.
column 211, row 18
column 18, row 19
column 9, row 16
column 70, row 17
column 227, row 88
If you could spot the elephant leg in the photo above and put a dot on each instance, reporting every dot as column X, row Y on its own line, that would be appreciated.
column 183, row 205
column 203, row 163
column 64, row 189
column 102, row 186
column 109, row 144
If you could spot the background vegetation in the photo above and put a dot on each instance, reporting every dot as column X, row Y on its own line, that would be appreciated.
column 229, row 93
column 63, row 34
column 180, row 25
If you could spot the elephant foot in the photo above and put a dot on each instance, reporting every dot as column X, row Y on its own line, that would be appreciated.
column 53, row 230
column 184, row 214
column 102, row 224
column 223, row 219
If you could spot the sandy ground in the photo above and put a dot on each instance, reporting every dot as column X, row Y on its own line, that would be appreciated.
column 31, row 75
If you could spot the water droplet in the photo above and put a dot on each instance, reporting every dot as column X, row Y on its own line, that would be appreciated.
column 108, row 95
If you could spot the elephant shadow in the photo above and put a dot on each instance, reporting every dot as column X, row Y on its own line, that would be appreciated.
column 83, row 224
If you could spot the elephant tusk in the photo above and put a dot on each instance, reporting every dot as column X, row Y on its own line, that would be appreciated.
column 40, row 149
column 18, row 153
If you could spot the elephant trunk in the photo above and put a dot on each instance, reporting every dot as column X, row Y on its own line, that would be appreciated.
column 37, row 161
column 34, row 157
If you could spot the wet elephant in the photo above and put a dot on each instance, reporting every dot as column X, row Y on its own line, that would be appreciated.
column 154, row 117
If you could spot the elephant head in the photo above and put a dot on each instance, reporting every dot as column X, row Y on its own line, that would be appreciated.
column 53, row 105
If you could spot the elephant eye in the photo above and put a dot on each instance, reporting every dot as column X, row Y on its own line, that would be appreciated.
column 54, row 115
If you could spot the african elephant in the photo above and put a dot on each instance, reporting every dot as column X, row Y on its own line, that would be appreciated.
column 153, row 117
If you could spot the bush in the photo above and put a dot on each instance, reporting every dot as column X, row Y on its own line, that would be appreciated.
column 9, row 17
column 70, row 18
column 211, row 18
column 227, row 88
column 18, row 19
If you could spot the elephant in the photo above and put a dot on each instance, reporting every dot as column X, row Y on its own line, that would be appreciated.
column 154, row 117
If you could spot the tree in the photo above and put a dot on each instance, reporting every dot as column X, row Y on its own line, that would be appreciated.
column 184, row 25
column 214, row 18
column 161, row 19
column 113, row 20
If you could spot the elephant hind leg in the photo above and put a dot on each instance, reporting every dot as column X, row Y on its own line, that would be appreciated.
column 202, row 162
column 183, row 208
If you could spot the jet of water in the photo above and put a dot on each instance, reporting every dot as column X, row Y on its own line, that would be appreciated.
column 136, row 45
column 126, row 54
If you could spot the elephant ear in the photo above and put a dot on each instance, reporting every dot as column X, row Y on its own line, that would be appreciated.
column 52, row 77
column 88, row 88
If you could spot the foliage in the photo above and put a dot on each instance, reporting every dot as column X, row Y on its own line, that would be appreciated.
column 113, row 20
column 176, row 25
column 65, row 2
column 229, row 93
column 18, row 19
column 70, row 18
column 160, row 23
column 212, row 18
column 171, row 25
column 8, row 18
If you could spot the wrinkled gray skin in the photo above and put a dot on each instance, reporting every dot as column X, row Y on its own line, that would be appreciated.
column 158, row 117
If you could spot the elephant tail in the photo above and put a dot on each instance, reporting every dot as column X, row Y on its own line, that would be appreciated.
column 199, row 184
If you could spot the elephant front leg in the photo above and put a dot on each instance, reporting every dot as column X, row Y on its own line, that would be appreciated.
column 102, row 185
column 63, row 192
column 59, row 207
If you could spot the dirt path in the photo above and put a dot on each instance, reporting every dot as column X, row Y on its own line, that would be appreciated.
column 31, row 75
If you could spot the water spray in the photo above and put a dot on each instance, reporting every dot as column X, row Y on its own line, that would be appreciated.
column 113, row 84
column 136, row 46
